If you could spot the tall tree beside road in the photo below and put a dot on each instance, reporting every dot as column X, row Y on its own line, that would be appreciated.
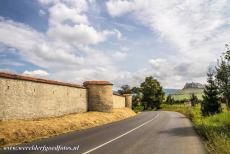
column 223, row 76
column 153, row 94
column 211, row 102
column 137, row 96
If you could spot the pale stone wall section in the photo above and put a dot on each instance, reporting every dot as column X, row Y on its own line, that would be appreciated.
column 24, row 97
column 100, row 96
column 21, row 99
column 118, row 101
column 128, row 100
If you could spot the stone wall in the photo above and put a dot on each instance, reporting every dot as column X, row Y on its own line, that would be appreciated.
column 118, row 101
column 24, row 98
column 128, row 100
column 100, row 95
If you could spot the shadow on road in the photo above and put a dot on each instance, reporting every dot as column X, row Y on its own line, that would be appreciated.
column 182, row 117
column 180, row 131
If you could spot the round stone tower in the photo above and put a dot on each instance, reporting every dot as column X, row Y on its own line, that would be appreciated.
column 100, row 96
column 128, row 100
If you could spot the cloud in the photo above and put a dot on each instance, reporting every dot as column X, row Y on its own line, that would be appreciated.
column 119, row 7
column 24, row 37
column 65, row 49
column 157, row 63
column 78, row 34
column 60, row 13
column 119, row 55
column 195, row 31
column 36, row 73
column 35, row 45
column 42, row 12
column 11, row 63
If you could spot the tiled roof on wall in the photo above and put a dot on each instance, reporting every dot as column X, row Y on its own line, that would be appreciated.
column 39, row 80
column 97, row 83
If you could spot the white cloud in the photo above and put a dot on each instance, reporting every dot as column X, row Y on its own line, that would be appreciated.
column 118, row 33
column 195, row 30
column 24, row 37
column 64, row 49
column 60, row 12
column 35, row 46
column 119, row 55
column 59, row 47
column 78, row 34
column 36, row 73
column 42, row 12
column 119, row 7
column 68, row 22
column 157, row 63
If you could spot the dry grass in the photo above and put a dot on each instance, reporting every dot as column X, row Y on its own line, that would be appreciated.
column 18, row 131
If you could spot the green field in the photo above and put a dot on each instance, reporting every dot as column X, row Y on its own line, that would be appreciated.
column 214, row 130
column 186, row 94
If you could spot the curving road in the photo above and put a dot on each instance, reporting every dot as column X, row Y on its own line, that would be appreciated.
column 153, row 132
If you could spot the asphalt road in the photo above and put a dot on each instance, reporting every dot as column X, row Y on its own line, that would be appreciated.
column 160, row 132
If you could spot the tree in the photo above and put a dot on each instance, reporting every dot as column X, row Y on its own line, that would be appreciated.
column 223, row 76
column 153, row 94
column 211, row 102
column 169, row 99
column 193, row 99
column 125, row 89
column 137, row 96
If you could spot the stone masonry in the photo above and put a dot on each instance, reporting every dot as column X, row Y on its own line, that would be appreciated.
column 25, row 97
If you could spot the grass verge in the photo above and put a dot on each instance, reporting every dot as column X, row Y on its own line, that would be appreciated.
column 214, row 130
column 19, row 131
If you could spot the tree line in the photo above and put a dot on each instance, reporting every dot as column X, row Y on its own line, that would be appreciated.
column 150, row 93
column 217, row 90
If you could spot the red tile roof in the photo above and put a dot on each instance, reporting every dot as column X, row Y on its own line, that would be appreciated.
column 97, row 83
column 39, row 80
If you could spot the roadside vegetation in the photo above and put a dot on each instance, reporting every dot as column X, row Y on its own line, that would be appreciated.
column 19, row 131
column 208, row 109
column 211, row 116
column 214, row 130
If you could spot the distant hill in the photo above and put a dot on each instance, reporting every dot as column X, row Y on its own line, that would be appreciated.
column 188, row 90
column 193, row 85
column 170, row 91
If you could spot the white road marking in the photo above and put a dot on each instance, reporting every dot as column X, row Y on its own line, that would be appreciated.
column 120, row 135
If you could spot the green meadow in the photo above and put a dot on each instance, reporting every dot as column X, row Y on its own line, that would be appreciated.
column 186, row 94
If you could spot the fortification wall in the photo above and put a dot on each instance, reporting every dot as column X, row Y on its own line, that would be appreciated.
column 100, row 95
column 118, row 101
column 25, row 98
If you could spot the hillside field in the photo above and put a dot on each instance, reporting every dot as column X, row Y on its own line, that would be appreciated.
column 186, row 93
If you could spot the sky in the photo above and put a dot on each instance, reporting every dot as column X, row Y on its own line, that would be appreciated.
column 121, row 41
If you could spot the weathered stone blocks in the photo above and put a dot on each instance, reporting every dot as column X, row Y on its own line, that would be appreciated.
column 128, row 100
column 100, row 96
column 24, row 97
